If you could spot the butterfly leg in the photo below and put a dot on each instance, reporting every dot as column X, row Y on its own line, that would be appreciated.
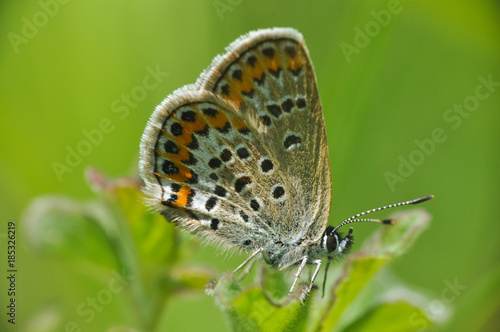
column 258, row 251
column 211, row 286
column 315, row 274
column 299, row 271
column 247, row 269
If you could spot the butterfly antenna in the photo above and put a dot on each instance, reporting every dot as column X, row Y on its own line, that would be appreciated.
column 382, row 221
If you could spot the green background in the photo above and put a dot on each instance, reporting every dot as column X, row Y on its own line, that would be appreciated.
column 63, row 78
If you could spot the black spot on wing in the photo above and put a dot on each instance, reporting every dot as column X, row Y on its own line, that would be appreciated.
column 210, row 204
column 278, row 192
column 243, row 153
column 274, row 109
column 226, row 155
column 254, row 205
column 237, row 74
column 220, row 191
column 189, row 116
column 212, row 112
column 291, row 140
column 171, row 147
column 241, row 182
column 287, row 105
column 266, row 120
column 214, row 163
column 176, row 129
column 268, row 52
column 169, row 168
column 193, row 145
column 214, row 224
column 301, row 103
column 266, row 166
column 175, row 187
column 275, row 73
column 244, row 216
column 252, row 60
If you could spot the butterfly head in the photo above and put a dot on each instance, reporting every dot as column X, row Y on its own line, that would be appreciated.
column 334, row 244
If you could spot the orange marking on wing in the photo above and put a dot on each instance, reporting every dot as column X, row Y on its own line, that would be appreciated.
column 182, row 197
column 273, row 63
column 183, row 175
column 245, row 85
column 183, row 154
column 194, row 126
column 255, row 72
column 199, row 124
column 219, row 121
column 296, row 62
column 185, row 138
column 180, row 177
column 234, row 95
column 239, row 125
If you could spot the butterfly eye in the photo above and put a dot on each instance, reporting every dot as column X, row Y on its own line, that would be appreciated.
column 330, row 240
column 331, row 243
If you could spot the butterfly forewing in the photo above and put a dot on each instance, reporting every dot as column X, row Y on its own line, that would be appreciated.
column 268, row 76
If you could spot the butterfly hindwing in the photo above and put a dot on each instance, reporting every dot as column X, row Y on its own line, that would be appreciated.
column 190, row 155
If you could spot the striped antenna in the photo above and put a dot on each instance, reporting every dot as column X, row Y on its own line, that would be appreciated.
column 382, row 221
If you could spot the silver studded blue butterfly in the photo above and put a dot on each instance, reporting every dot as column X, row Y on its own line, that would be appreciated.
column 240, row 158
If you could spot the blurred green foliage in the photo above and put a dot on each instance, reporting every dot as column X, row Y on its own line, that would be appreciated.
column 65, row 84
column 139, row 258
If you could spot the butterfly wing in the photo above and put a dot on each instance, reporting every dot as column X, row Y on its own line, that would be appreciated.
column 268, row 76
column 188, row 161
column 241, row 156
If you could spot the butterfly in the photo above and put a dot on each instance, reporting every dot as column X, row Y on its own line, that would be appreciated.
column 240, row 158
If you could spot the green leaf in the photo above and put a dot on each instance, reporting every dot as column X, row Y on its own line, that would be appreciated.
column 254, row 311
column 255, row 308
column 148, row 246
column 190, row 277
column 155, row 239
column 70, row 230
column 359, row 270
column 391, row 317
